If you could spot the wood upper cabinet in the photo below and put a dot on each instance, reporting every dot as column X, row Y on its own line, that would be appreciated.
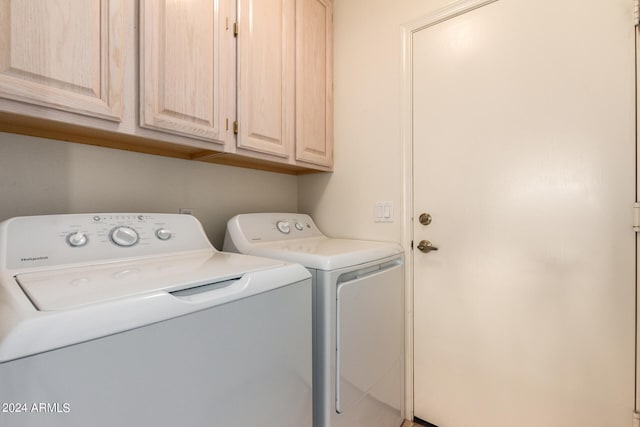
column 266, row 76
column 285, row 79
column 75, row 70
column 63, row 54
column 183, row 82
column 314, row 81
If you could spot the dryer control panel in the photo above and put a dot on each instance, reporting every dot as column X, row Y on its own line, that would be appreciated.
column 56, row 240
column 272, row 227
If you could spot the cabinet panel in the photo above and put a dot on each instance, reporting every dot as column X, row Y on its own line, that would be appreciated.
column 314, row 82
column 63, row 54
column 266, row 76
column 181, row 67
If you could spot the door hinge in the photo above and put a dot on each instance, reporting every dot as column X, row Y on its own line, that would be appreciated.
column 412, row 245
column 636, row 12
column 636, row 419
column 235, row 127
column 636, row 217
column 235, row 29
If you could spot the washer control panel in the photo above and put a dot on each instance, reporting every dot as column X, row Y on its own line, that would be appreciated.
column 51, row 240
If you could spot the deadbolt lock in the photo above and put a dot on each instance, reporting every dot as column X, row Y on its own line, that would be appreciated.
column 425, row 219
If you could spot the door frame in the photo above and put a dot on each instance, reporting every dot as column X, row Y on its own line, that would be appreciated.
column 636, row 18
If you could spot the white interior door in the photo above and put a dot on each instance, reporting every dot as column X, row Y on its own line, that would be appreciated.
column 524, row 155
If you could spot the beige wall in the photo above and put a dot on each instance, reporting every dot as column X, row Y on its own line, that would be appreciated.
column 40, row 176
column 368, row 151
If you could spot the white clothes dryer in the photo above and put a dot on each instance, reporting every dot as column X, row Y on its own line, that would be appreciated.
column 358, row 314
column 136, row 320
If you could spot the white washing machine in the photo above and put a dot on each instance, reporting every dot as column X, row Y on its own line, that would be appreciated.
column 358, row 314
column 136, row 320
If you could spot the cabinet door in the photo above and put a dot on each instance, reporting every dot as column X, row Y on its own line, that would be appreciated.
column 63, row 54
column 266, row 76
column 314, row 81
column 182, row 76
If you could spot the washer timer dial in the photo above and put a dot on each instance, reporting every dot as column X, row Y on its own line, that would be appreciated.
column 124, row 236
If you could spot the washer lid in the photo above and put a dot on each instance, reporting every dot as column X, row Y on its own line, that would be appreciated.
column 81, row 304
column 76, row 287
column 323, row 253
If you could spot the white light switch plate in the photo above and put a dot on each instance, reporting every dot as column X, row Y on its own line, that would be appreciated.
column 383, row 212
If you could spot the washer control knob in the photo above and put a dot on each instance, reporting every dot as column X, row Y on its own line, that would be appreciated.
column 283, row 227
column 124, row 236
column 77, row 239
column 298, row 226
column 163, row 234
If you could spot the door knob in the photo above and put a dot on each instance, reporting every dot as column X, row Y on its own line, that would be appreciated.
column 425, row 219
column 426, row 247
